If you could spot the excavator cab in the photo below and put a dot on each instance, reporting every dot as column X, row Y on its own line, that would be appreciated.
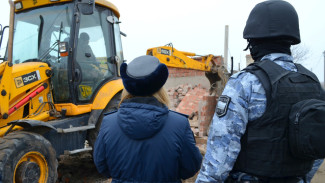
column 58, row 78
column 78, row 46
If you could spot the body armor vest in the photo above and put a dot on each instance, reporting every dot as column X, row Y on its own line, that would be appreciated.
column 264, row 146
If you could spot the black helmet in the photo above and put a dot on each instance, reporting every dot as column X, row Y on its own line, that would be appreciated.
column 273, row 19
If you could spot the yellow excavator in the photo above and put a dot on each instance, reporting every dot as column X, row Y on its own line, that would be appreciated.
column 213, row 66
column 58, row 78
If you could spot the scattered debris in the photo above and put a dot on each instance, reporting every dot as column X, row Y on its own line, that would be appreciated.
column 79, row 168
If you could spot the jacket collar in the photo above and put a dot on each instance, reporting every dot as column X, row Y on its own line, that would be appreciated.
column 144, row 100
column 278, row 57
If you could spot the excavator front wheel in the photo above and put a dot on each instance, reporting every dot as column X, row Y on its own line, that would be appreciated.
column 27, row 158
column 32, row 167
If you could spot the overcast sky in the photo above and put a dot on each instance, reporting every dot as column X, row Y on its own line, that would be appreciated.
column 199, row 27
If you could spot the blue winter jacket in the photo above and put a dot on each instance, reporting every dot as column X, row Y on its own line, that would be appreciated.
column 145, row 142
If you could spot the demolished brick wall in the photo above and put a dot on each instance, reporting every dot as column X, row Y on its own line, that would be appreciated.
column 192, row 98
column 206, row 111
column 195, row 102
column 178, row 72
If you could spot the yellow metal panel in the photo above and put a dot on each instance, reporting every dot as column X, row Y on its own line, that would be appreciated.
column 19, row 70
column 5, row 87
column 72, row 109
column 109, row 5
column 28, row 66
column 28, row 4
column 106, row 93
column 2, row 67
column 12, row 82
column 34, row 105
column 44, row 116
column 180, row 59
column 5, row 129
column 14, row 116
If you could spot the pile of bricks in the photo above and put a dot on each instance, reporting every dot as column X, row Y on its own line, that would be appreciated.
column 195, row 102
column 190, row 103
column 184, row 98
column 177, row 94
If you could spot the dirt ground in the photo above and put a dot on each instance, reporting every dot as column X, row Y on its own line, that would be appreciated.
column 80, row 169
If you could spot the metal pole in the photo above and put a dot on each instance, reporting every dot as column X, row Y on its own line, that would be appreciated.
column 11, row 30
column 226, row 47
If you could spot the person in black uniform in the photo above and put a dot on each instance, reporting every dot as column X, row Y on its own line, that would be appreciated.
column 248, row 139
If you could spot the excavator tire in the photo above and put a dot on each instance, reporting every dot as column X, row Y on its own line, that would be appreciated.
column 27, row 157
column 111, row 106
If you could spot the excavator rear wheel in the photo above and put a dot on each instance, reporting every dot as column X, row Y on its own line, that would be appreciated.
column 27, row 158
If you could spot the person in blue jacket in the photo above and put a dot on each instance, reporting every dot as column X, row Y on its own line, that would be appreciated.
column 239, row 149
column 144, row 141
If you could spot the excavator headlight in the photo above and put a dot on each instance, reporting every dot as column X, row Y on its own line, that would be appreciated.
column 18, row 5
column 63, row 49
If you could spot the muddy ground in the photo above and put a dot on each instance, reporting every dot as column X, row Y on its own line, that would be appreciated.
column 80, row 169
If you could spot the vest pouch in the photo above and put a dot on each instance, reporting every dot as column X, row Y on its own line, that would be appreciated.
column 307, row 129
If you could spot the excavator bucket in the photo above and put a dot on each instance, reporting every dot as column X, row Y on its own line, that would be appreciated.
column 218, row 77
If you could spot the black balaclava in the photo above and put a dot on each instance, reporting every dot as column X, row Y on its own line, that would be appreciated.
column 261, row 47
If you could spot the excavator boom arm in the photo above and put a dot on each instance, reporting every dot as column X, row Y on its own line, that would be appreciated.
column 212, row 65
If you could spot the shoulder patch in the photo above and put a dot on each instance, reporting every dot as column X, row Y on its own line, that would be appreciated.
column 185, row 115
column 222, row 106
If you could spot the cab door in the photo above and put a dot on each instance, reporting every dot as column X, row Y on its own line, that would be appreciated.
column 94, row 51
